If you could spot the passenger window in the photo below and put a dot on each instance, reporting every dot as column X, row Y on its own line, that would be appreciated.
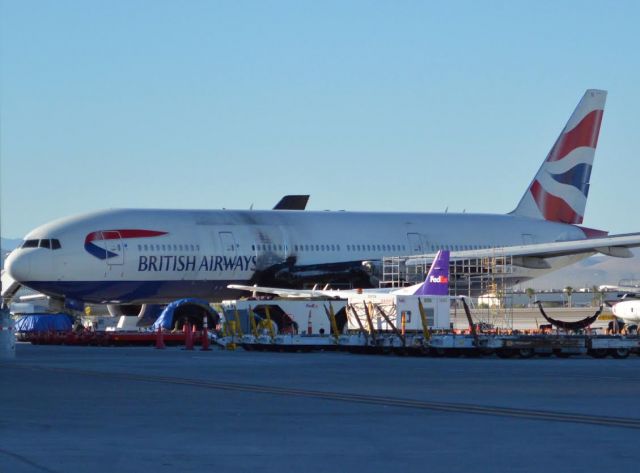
column 45, row 244
column 317, row 247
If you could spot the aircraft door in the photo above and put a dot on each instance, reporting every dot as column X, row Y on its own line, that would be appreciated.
column 228, row 243
column 114, row 247
column 415, row 243
column 286, row 248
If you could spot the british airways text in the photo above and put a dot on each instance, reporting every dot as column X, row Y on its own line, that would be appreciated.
column 185, row 263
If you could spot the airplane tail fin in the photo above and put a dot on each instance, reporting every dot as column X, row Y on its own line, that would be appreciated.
column 437, row 280
column 292, row 202
column 559, row 190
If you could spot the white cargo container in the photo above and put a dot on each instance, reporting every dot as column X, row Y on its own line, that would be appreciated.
column 300, row 316
column 393, row 307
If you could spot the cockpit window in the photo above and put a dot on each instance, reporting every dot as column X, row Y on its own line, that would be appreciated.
column 30, row 244
column 52, row 244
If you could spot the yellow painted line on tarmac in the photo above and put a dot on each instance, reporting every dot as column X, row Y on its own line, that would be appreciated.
column 606, row 317
column 461, row 408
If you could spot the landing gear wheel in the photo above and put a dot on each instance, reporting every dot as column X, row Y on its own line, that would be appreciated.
column 620, row 353
column 526, row 352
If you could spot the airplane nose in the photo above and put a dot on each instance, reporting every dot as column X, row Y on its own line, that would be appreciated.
column 18, row 265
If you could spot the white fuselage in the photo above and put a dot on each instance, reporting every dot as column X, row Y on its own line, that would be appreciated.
column 629, row 311
column 132, row 256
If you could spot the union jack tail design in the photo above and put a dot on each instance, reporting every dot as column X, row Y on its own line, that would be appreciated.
column 559, row 190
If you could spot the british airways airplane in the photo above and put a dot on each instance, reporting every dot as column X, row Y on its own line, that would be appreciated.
column 130, row 257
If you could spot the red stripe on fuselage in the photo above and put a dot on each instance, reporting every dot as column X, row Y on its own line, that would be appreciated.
column 552, row 207
column 126, row 233
column 584, row 134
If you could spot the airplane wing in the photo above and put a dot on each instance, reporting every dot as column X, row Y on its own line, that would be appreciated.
column 292, row 293
column 331, row 293
column 534, row 255
column 621, row 289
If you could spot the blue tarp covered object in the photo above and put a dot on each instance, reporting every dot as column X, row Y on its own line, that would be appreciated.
column 166, row 317
column 44, row 323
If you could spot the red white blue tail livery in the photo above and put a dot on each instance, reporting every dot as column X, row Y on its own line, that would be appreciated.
column 559, row 190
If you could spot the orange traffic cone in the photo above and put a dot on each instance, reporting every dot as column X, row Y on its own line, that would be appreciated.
column 160, row 339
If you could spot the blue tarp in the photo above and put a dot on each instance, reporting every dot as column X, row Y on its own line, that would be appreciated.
column 166, row 317
column 44, row 323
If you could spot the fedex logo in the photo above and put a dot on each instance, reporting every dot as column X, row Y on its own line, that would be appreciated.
column 442, row 279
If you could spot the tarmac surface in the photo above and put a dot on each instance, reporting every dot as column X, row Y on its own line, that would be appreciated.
column 77, row 409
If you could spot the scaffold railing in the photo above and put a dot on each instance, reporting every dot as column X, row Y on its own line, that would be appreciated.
column 485, row 280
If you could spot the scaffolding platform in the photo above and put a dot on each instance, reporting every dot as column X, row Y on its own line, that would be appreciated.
column 488, row 280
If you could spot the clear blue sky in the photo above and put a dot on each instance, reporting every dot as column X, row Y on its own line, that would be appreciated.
column 371, row 105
